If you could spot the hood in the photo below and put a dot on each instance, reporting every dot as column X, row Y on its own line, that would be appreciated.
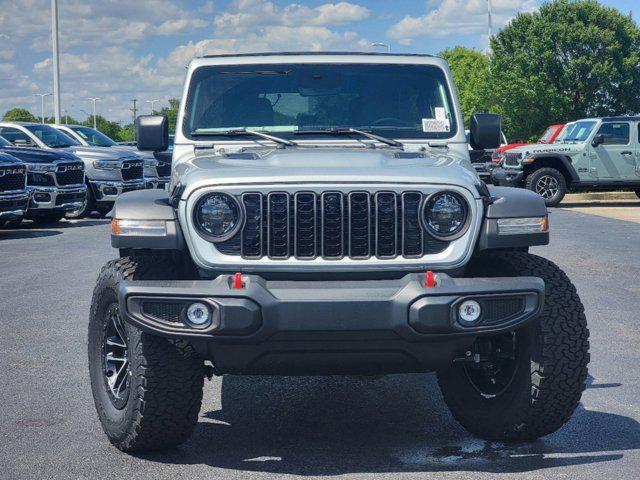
column 38, row 155
column 6, row 158
column 565, row 148
column 326, row 165
column 134, row 151
column 102, row 153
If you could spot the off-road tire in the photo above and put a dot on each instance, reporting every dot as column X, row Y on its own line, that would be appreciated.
column 13, row 223
column 166, row 377
column 551, row 368
column 86, row 209
column 47, row 219
column 531, row 181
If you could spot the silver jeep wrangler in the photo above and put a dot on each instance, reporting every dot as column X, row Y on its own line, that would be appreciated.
column 323, row 218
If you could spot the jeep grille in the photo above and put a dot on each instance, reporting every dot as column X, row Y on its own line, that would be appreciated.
column 512, row 159
column 332, row 225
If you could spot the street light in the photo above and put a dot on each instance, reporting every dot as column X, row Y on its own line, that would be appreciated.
column 152, row 102
column 94, row 100
column 381, row 44
column 42, row 95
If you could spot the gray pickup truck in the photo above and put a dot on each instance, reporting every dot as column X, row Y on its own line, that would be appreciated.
column 323, row 218
column 108, row 172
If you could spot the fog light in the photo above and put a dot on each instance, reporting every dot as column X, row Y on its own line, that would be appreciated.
column 42, row 197
column 198, row 315
column 469, row 311
column 110, row 191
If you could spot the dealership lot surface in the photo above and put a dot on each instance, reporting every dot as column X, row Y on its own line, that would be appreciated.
column 396, row 426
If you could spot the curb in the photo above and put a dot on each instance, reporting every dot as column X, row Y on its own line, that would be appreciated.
column 619, row 196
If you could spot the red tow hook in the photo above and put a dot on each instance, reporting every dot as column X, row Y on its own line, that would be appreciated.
column 237, row 282
column 430, row 279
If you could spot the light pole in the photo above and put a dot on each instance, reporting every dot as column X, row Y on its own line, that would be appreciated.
column 489, row 27
column 56, row 60
column 42, row 96
column 381, row 44
column 152, row 102
column 94, row 100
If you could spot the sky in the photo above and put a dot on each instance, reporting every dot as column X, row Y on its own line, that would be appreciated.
column 118, row 50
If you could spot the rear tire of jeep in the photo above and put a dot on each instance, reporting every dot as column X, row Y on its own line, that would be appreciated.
column 549, row 183
column 547, row 376
column 86, row 208
column 154, row 403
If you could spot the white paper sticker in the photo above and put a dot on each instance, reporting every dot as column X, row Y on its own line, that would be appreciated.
column 440, row 113
column 433, row 125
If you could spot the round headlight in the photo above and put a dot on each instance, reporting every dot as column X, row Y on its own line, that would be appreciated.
column 445, row 215
column 218, row 216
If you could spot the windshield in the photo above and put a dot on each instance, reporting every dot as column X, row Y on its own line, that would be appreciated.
column 546, row 136
column 4, row 142
column 93, row 137
column 51, row 137
column 405, row 101
column 580, row 131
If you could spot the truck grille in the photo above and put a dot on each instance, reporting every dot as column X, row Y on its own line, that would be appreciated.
column 69, row 174
column 512, row 159
column 132, row 170
column 332, row 225
column 164, row 169
column 12, row 178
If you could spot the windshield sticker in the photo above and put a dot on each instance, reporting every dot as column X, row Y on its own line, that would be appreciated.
column 440, row 113
column 433, row 125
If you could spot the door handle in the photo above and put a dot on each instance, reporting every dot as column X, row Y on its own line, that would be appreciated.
column 626, row 153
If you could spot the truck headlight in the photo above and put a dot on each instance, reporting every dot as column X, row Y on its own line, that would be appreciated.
column 106, row 165
column 445, row 215
column 41, row 167
column 218, row 216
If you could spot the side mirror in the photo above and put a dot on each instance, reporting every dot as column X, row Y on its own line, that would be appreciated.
column 21, row 142
column 152, row 133
column 486, row 131
column 597, row 140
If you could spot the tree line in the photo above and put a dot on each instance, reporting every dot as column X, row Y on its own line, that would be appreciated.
column 570, row 59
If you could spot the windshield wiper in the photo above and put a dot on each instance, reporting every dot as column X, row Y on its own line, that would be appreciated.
column 243, row 131
column 349, row 131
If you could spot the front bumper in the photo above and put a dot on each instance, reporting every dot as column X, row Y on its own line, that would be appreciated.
column 324, row 327
column 109, row 190
column 50, row 199
column 507, row 177
column 13, row 205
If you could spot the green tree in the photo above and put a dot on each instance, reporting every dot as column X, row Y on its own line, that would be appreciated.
column 470, row 70
column 570, row 59
column 172, row 113
column 19, row 115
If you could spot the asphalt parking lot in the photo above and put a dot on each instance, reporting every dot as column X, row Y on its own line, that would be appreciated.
column 394, row 427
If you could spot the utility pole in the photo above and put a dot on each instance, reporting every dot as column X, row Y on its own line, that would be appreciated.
column 152, row 102
column 56, row 60
column 135, row 113
column 94, row 100
column 42, row 97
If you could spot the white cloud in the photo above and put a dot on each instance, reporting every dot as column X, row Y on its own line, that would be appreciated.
column 457, row 17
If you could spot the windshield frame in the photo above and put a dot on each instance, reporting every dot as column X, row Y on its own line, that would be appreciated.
column 33, row 128
column 78, row 130
column 573, row 137
column 417, row 135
